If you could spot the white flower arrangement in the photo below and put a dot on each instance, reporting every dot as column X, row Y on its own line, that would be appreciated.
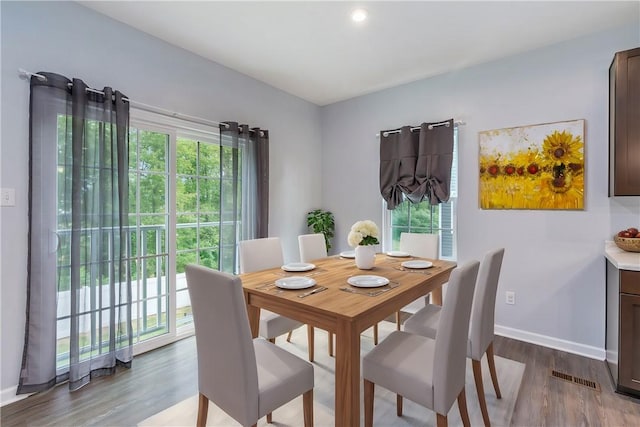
column 363, row 233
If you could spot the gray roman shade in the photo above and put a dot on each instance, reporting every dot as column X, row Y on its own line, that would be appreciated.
column 415, row 162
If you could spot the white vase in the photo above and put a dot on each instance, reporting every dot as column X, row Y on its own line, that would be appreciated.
column 365, row 257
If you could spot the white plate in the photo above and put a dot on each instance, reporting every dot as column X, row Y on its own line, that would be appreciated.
column 417, row 264
column 348, row 254
column 297, row 282
column 366, row 281
column 398, row 254
column 298, row 266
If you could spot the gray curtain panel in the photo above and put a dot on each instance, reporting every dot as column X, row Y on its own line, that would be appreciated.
column 78, row 285
column 244, row 154
column 433, row 165
column 415, row 163
column 398, row 155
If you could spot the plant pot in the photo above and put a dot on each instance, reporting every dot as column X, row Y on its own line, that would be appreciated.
column 365, row 257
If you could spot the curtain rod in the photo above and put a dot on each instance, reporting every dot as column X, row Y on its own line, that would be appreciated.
column 431, row 126
column 24, row 74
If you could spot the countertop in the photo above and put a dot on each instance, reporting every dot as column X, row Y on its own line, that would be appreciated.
column 622, row 260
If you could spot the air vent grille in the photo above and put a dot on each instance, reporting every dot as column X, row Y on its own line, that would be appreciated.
column 576, row 380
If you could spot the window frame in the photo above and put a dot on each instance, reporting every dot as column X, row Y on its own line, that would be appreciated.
column 175, row 127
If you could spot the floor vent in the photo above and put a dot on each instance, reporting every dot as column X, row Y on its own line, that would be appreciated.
column 576, row 380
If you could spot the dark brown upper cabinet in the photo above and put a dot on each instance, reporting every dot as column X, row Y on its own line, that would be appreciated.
column 624, row 124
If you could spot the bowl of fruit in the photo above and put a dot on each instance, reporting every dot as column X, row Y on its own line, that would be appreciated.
column 628, row 240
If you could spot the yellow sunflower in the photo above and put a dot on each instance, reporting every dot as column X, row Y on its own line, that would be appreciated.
column 563, row 147
column 561, row 190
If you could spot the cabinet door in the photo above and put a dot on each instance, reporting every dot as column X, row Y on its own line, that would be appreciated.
column 629, row 356
column 624, row 124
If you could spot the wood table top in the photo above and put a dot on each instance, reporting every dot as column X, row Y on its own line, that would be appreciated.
column 333, row 272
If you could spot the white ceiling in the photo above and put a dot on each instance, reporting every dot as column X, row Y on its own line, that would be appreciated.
column 313, row 50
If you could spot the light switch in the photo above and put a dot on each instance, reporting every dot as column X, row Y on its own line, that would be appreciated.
column 8, row 197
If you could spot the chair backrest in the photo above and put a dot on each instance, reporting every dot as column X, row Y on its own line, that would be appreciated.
column 260, row 254
column 227, row 370
column 484, row 304
column 312, row 246
column 451, row 338
column 420, row 244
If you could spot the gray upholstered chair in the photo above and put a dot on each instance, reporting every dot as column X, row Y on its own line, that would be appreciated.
column 261, row 254
column 426, row 322
column 246, row 378
column 421, row 245
column 312, row 246
column 430, row 372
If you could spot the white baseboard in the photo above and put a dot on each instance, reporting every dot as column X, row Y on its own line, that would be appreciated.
column 8, row 395
column 551, row 342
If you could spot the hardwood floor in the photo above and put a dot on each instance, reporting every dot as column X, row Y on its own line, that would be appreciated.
column 547, row 401
column 166, row 376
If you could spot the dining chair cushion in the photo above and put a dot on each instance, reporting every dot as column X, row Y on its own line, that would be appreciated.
column 273, row 325
column 280, row 376
column 398, row 364
column 425, row 321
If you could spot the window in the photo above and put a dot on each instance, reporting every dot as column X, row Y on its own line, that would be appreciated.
column 175, row 218
column 424, row 218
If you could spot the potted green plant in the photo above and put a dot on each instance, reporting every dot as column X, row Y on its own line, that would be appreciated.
column 321, row 221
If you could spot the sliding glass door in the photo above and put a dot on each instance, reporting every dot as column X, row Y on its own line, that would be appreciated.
column 174, row 219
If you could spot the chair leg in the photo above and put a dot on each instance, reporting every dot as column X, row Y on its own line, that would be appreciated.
column 203, row 409
column 272, row 340
column 462, row 405
column 492, row 370
column 310, row 341
column 441, row 420
column 398, row 405
column 307, row 408
column 289, row 336
column 369, row 389
column 375, row 334
column 477, row 376
column 270, row 418
column 330, row 344
column 397, row 320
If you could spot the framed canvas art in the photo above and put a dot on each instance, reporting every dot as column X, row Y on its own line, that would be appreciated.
column 533, row 167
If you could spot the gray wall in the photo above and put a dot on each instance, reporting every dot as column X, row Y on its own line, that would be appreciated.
column 72, row 40
column 554, row 259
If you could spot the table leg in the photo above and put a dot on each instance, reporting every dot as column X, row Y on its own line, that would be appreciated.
column 254, row 319
column 436, row 296
column 347, row 383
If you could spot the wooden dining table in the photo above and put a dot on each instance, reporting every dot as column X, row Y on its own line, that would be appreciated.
column 344, row 310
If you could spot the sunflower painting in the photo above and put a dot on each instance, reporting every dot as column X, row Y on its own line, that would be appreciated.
column 533, row 167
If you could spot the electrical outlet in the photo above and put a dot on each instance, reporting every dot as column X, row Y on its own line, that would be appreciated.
column 7, row 197
column 510, row 297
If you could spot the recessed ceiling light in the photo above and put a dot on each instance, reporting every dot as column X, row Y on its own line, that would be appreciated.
column 359, row 15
